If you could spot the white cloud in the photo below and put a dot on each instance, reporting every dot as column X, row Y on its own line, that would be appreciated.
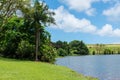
column 90, row 12
column 107, row 30
column 69, row 23
column 113, row 13
column 81, row 5
column 106, row 1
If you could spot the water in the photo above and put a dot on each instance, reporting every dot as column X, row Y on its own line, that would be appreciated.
column 104, row 67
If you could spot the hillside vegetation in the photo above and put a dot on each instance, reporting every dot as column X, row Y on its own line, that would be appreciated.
column 28, row 70
column 104, row 48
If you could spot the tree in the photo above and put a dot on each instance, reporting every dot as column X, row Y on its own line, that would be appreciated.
column 62, row 52
column 79, row 47
column 83, row 50
column 61, row 46
column 9, row 8
column 11, row 36
column 107, row 51
column 38, row 16
column 18, row 34
column 58, row 44
column 99, row 48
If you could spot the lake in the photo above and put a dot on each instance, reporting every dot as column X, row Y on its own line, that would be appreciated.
column 104, row 67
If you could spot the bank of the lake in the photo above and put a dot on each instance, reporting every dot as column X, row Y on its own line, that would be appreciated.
column 30, row 70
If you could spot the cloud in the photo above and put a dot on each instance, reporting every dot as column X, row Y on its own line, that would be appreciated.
column 69, row 23
column 81, row 6
column 91, row 12
column 107, row 30
column 105, row 1
column 113, row 13
column 111, row 1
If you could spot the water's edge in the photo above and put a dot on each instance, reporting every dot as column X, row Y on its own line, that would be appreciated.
column 104, row 67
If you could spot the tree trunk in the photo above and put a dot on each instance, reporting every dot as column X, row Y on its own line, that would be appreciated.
column 37, row 44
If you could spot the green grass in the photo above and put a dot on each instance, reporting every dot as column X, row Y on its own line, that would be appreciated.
column 28, row 70
column 113, row 47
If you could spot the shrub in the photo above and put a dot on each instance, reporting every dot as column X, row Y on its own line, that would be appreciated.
column 25, row 50
column 47, row 53
column 61, row 52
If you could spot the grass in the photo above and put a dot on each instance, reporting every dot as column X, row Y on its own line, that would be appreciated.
column 28, row 70
column 113, row 47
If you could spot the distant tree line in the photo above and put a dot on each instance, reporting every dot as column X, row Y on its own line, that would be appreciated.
column 74, row 47
column 102, row 49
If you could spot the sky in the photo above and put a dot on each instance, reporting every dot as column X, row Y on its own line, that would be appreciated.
column 92, row 21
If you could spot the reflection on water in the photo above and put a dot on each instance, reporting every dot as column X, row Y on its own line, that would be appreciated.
column 104, row 67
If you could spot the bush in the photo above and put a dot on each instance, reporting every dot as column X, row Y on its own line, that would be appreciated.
column 61, row 52
column 25, row 50
column 107, row 51
column 93, row 52
column 2, row 47
column 47, row 53
column 79, row 47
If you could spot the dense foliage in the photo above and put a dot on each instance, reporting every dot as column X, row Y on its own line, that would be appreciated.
column 79, row 47
column 23, row 35
column 74, row 47
column 61, row 47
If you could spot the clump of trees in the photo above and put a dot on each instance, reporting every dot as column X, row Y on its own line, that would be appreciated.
column 79, row 47
column 74, row 47
column 22, row 30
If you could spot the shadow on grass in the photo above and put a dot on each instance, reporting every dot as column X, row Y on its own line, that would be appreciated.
column 12, row 59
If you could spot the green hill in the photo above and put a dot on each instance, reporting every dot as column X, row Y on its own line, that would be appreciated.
column 104, row 48
column 28, row 70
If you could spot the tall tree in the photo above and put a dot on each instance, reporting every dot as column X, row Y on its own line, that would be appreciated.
column 39, row 16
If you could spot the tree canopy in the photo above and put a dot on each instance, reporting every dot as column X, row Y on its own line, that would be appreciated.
column 71, row 48
column 25, row 36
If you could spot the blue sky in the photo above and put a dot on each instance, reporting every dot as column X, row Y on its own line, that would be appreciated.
column 93, row 21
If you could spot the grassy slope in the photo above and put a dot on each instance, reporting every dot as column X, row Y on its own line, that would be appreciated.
column 28, row 70
column 113, row 47
column 107, row 45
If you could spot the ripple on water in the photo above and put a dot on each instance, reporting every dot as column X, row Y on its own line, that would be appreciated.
column 104, row 67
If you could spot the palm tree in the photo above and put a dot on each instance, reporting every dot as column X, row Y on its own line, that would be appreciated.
column 38, row 16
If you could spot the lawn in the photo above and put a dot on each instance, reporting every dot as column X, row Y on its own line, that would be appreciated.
column 30, row 70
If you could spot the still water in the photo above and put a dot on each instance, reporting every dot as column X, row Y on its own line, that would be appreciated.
column 104, row 67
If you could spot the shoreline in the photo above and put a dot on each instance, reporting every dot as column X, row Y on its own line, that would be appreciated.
column 30, row 70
